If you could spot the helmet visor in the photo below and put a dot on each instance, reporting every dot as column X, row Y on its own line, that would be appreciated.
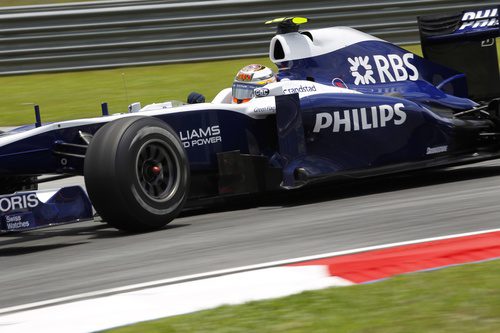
column 243, row 90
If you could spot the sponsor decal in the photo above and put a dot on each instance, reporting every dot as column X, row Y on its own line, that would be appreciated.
column 18, row 225
column 265, row 109
column 364, row 76
column 480, row 19
column 200, row 136
column 383, row 68
column 336, row 82
column 488, row 42
column 18, row 202
column 244, row 76
column 436, row 150
column 261, row 92
column 246, row 73
column 299, row 89
column 18, row 221
column 359, row 119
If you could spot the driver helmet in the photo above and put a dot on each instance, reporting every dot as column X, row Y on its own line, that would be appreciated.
column 249, row 78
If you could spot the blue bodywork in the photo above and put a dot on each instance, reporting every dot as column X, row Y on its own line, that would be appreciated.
column 403, row 117
column 244, row 134
column 36, row 209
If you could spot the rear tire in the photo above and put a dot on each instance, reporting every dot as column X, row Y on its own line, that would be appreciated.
column 137, row 173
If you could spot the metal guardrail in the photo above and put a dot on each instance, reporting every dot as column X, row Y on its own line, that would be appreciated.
column 108, row 34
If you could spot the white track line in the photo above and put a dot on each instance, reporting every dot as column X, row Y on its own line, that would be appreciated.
column 123, row 309
column 194, row 277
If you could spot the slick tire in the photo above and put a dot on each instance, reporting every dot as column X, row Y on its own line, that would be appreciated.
column 137, row 173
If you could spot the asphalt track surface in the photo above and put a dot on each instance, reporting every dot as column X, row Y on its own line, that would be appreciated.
column 85, row 257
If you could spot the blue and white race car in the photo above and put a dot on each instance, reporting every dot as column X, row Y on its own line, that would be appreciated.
column 346, row 104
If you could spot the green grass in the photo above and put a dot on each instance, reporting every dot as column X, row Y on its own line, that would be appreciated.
column 64, row 96
column 80, row 94
column 456, row 299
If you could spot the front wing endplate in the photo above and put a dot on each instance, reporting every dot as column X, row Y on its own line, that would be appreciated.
column 36, row 209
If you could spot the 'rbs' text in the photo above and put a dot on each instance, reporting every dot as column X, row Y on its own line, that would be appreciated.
column 383, row 68
column 360, row 119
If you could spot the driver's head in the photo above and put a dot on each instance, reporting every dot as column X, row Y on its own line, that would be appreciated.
column 249, row 78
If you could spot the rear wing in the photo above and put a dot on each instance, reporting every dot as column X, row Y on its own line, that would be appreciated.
column 466, row 42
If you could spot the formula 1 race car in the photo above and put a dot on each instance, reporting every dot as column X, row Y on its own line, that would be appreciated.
column 346, row 104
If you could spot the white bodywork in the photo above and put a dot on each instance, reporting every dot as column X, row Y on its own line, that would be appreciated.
column 257, row 107
column 297, row 45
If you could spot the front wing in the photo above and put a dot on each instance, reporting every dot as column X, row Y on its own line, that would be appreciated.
column 36, row 209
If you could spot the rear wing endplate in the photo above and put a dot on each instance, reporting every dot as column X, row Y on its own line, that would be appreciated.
column 466, row 42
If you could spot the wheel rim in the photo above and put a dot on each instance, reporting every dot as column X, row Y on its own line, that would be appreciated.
column 157, row 170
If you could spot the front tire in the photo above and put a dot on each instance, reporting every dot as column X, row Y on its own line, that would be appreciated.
column 137, row 173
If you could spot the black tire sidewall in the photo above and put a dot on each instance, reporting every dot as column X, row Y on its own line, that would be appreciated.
column 132, row 140
column 111, row 176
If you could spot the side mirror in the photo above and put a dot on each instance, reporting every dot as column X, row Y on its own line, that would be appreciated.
column 195, row 98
